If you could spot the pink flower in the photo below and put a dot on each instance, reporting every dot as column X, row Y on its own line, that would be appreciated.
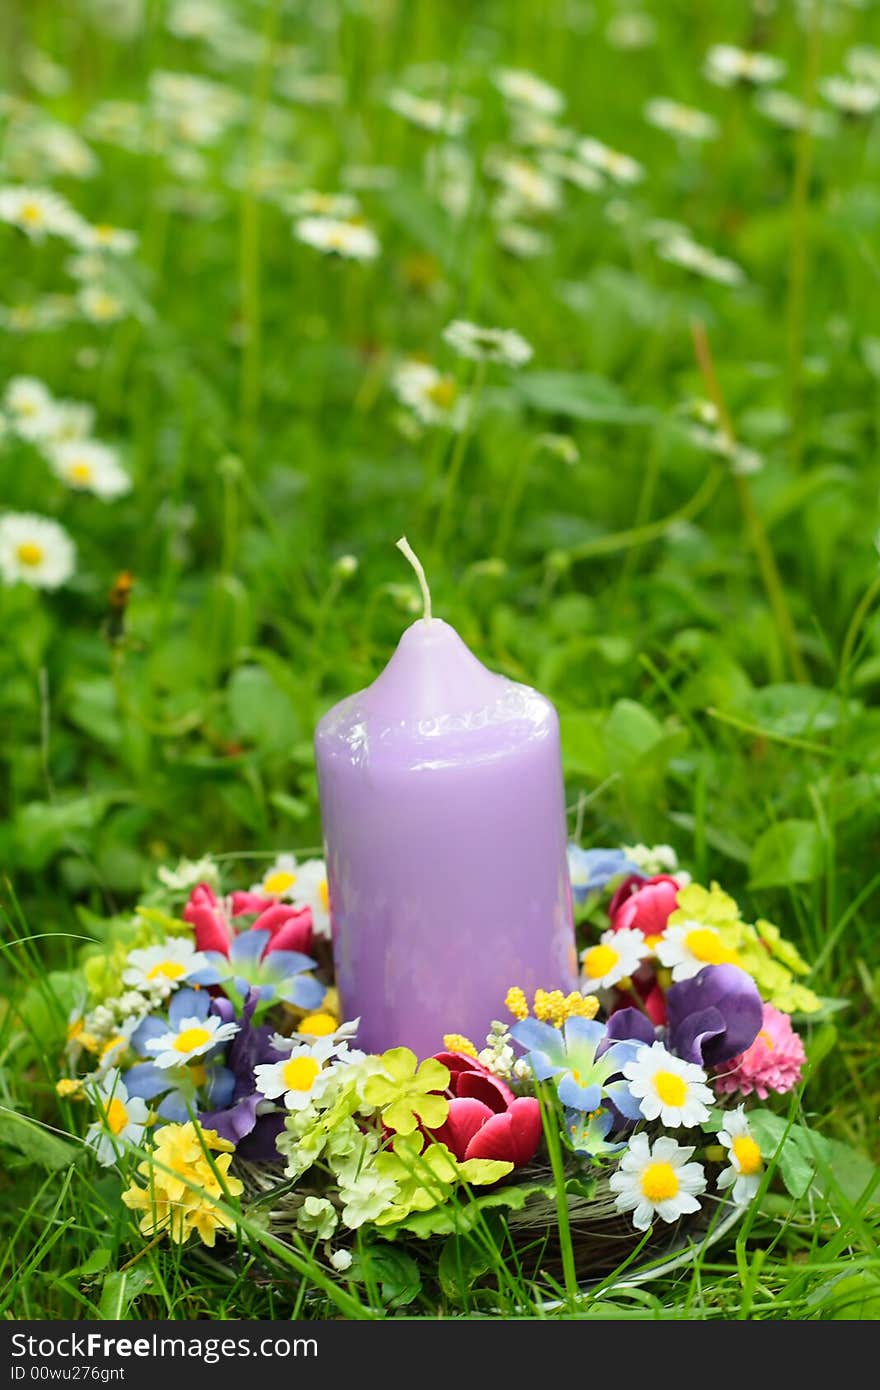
column 289, row 928
column 774, row 1061
column 485, row 1119
column 644, row 904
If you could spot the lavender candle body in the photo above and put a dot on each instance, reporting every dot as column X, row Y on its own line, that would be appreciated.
column 443, row 813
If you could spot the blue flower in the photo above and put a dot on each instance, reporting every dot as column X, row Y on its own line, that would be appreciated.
column 591, row 870
column 587, row 1076
column 207, row 1082
column 274, row 975
column 588, row 1133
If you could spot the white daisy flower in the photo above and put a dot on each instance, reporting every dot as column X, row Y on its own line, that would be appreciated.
column 30, row 407
column 699, row 260
column 428, row 114
column 99, row 304
column 352, row 240
column 118, row 241
column 657, row 1180
column 743, row 460
column 70, row 420
column 652, row 859
column 574, row 171
column 685, row 121
column 487, row 344
column 631, row 30
column 667, row 1088
column 188, row 873
column 312, row 203
column 530, row 128
column 727, row 65
column 122, row 1119
column 279, row 878
column 852, row 98
column 319, row 1025
column 746, row 1165
column 432, row 395
column 87, row 466
column 312, row 88
column 688, row 947
column 530, row 188
column 622, row 168
column 299, row 1078
column 863, row 62
column 791, row 113
column 310, row 890
column 38, row 212
column 520, row 240
column 165, row 966
column 192, row 1037
column 525, row 89
column 35, row 551
column 618, row 955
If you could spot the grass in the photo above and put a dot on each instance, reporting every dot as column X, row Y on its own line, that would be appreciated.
column 712, row 640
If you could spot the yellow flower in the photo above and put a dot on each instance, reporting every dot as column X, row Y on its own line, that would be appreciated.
column 456, row 1042
column 515, row 1002
column 69, row 1088
column 184, row 1186
column 406, row 1094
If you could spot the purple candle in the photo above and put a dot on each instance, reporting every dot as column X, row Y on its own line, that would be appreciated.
column 444, row 824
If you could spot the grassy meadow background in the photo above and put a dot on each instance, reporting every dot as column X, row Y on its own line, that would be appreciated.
column 703, row 612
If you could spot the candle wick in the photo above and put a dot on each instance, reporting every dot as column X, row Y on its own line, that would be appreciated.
column 404, row 546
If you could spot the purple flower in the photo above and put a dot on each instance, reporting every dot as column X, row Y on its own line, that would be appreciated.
column 236, row 1117
column 713, row 1016
column 630, row 1025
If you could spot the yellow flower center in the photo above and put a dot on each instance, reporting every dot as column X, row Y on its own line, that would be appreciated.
column 191, row 1038
column 599, row 960
column 747, row 1154
column 670, row 1088
column 705, row 944
column 443, row 392
column 299, row 1073
column 278, row 882
column 80, row 472
column 29, row 553
column 168, row 969
column 31, row 213
column 117, row 1116
column 659, row 1182
column 103, row 232
column 104, row 306
column 338, row 239
column 318, row 1025
column 324, row 894
column 766, row 1039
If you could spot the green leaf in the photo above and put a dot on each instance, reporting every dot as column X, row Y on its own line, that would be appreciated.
column 630, row 731
column 449, row 1218
column 120, row 1290
column 796, row 711
column 462, row 1262
column 789, row 852
column 856, row 1299
column 583, row 747
column 43, row 828
column 396, row 1273
column 36, row 1142
column 261, row 712
column 581, row 396
column 98, row 1260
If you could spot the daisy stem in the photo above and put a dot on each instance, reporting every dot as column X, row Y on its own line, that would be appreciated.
column 453, row 473
column 249, row 242
column 547, row 1102
column 754, row 524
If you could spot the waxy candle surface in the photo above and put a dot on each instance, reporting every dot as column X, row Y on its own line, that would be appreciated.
column 444, row 824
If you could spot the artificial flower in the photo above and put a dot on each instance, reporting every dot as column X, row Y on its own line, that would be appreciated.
column 35, row 551
column 187, row 1176
column 713, row 1015
column 591, row 870
column 745, row 1170
column 588, row 1133
column 773, row 1063
column 657, row 1180
column 279, row 879
column 485, row 1118
column 121, row 1119
column 668, row 1088
column 299, row 1076
column 214, row 921
column 274, row 974
column 580, row 1065
column 189, row 1037
column 236, row 1113
column 164, row 966
column 644, row 904
column 688, row 947
column 617, row 956
column 405, row 1091
column 311, row 893
column 317, row 1216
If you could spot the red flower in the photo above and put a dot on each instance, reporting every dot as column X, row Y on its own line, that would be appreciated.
column 485, row 1119
column 289, row 928
column 644, row 904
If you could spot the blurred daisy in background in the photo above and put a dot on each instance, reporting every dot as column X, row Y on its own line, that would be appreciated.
column 675, row 119
column 87, row 466
column 487, row 344
column 428, row 114
column 727, row 65
column 351, row 240
column 852, row 99
column 29, row 407
column 683, row 251
column 433, row 396
column 38, row 212
column 622, row 168
column 788, row 111
column 35, row 551
column 523, row 88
